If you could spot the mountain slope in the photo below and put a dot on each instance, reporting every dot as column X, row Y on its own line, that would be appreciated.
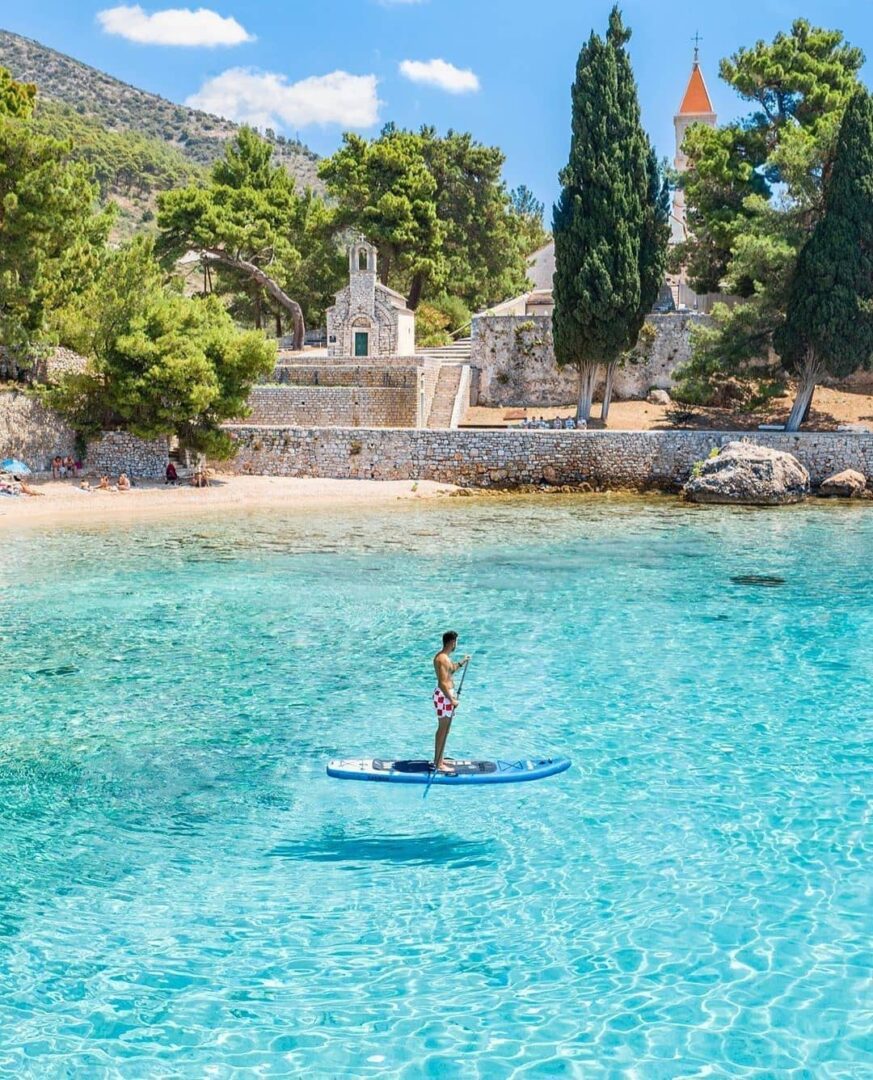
column 119, row 107
column 130, row 169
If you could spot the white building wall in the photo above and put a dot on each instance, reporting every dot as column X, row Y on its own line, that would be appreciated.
column 405, row 333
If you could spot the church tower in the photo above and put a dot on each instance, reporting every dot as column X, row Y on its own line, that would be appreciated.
column 696, row 108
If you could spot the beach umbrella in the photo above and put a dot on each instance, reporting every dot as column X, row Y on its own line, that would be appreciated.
column 13, row 465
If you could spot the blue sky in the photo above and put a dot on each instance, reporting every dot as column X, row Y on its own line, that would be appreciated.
column 503, row 66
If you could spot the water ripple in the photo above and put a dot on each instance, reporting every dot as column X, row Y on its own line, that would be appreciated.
column 184, row 893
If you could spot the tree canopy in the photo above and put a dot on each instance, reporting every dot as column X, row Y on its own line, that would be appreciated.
column 50, row 235
column 828, row 326
column 438, row 210
column 160, row 363
column 755, row 192
column 16, row 98
column 251, row 222
column 607, row 242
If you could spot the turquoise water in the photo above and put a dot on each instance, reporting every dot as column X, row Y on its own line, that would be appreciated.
column 184, row 893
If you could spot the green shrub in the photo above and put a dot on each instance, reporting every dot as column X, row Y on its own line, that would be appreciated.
column 431, row 327
column 455, row 310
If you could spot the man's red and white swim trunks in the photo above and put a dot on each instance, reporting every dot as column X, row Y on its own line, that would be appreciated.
column 443, row 705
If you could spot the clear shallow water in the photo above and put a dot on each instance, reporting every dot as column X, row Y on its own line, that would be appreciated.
column 183, row 892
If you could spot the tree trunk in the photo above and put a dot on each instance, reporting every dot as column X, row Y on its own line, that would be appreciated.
column 807, row 378
column 607, row 390
column 256, row 302
column 278, row 324
column 414, row 298
column 587, row 375
column 807, row 411
column 256, row 274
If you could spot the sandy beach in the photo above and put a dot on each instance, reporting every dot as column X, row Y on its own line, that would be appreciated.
column 62, row 502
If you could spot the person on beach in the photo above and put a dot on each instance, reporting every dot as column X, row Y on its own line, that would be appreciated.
column 445, row 700
column 172, row 476
column 124, row 482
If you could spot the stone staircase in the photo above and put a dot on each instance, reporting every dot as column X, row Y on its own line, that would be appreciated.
column 448, row 381
column 457, row 353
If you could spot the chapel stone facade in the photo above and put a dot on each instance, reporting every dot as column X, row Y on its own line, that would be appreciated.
column 368, row 319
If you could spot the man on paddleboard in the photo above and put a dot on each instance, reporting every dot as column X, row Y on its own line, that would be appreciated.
column 445, row 700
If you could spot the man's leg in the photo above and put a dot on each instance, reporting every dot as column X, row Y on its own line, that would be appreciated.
column 444, row 724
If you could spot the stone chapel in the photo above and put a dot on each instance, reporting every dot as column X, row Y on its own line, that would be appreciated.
column 368, row 319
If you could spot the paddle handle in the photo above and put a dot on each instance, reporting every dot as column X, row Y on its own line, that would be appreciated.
column 461, row 683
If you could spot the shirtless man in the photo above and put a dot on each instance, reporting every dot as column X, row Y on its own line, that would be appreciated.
column 445, row 700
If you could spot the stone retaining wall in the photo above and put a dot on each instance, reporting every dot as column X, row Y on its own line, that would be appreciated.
column 31, row 432
column 516, row 360
column 307, row 360
column 615, row 459
column 329, row 374
column 327, row 406
column 118, row 451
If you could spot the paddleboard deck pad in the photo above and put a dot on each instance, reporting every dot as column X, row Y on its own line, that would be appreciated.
column 463, row 772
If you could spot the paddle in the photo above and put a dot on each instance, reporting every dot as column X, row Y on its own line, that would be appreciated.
column 460, row 688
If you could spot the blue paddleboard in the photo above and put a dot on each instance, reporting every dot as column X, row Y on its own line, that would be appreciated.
column 463, row 772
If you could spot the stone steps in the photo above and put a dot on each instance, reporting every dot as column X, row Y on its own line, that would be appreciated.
column 448, row 381
column 458, row 352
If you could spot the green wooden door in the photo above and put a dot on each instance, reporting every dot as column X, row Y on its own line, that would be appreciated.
column 362, row 343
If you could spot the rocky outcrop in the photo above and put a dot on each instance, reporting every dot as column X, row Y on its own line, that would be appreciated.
column 848, row 484
column 749, row 475
column 658, row 397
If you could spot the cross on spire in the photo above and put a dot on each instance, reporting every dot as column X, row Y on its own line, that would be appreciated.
column 697, row 40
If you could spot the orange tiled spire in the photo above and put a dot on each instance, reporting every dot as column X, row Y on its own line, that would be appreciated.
column 696, row 101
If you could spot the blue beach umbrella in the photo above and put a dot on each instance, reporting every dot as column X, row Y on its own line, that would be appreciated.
column 13, row 465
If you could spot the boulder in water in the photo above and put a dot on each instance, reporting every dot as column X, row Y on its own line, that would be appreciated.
column 848, row 484
column 749, row 475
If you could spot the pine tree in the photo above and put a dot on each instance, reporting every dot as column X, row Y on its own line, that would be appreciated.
column 829, row 319
column 16, row 98
column 601, row 215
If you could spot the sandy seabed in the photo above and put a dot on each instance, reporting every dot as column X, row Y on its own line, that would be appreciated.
column 62, row 501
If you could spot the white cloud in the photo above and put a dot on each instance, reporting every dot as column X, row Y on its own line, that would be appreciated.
column 265, row 99
column 174, row 26
column 442, row 74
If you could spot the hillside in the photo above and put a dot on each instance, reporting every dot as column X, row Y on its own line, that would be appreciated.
column 131, row 169
column 94, row 95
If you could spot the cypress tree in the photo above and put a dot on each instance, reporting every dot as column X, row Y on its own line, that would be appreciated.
column 653, row 259
column 828, row 325
column 600, row 217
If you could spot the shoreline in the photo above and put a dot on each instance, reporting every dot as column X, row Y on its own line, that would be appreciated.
column 61, row 502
